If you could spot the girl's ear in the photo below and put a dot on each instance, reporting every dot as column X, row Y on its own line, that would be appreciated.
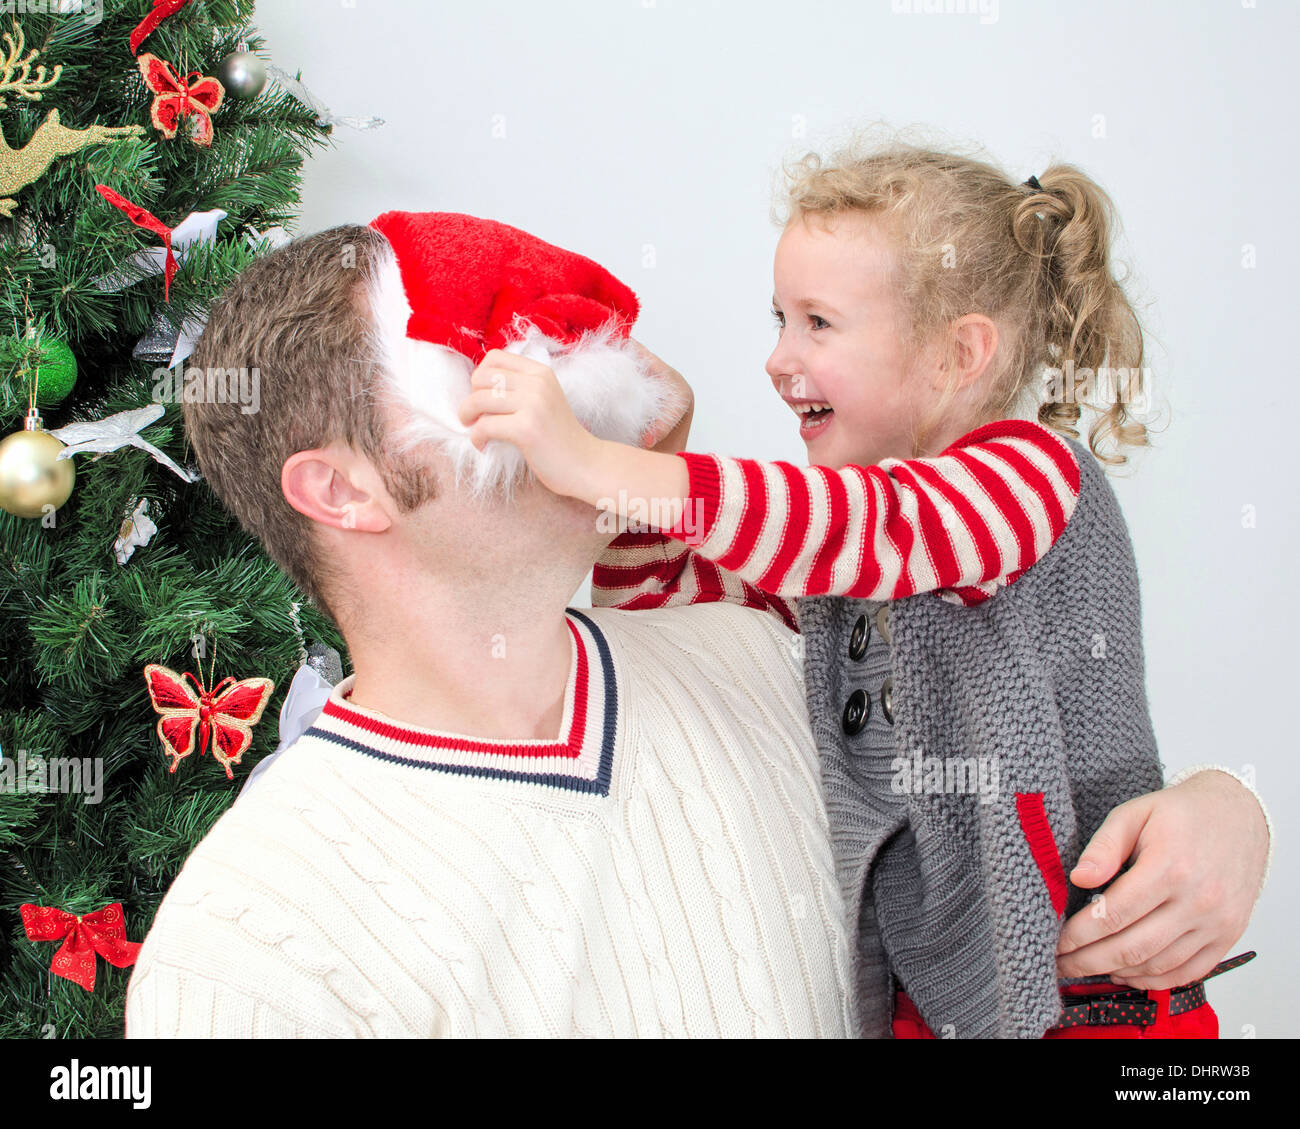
column 329, row 486
column 974, row 341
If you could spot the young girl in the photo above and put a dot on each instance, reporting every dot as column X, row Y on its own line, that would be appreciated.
column 966, row 590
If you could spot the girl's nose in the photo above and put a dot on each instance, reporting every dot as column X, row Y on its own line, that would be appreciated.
column 780, row 363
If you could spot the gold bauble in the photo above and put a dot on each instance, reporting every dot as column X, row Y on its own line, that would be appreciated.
column 31, row 475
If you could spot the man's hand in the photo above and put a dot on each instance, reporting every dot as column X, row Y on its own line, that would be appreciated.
column 668, row 433
column 1198, row 851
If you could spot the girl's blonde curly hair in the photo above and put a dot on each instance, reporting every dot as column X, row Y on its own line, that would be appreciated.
column 1036, row 262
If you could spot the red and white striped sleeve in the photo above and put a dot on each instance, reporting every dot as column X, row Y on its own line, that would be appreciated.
column 651, row 570
column 961, row 524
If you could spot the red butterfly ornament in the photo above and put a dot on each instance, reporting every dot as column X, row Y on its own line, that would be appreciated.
column 176, row 98
column 226, row 714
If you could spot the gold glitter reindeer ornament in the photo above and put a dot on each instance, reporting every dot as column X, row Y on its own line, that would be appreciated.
column 20, row 167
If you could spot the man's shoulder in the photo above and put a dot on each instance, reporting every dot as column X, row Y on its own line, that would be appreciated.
column 246, row 924
column 266, row 856
column 740, row 650
column 245, row 865
column 714, row 626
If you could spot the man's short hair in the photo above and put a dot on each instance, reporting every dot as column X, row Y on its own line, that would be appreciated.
column 300, row 318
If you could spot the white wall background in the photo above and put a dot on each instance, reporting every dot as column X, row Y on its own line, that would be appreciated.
column 645, row 134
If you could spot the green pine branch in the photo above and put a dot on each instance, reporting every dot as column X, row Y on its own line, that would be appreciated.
column 77, row 627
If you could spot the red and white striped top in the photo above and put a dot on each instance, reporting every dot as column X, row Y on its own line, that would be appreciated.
column 961, row 524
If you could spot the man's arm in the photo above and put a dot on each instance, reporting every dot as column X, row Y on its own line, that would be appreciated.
column 226, row 959
column 179, row 1003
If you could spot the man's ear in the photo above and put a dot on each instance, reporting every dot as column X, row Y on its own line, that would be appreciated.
column 334, row 487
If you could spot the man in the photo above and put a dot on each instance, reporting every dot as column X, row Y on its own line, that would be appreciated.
column 513, row 818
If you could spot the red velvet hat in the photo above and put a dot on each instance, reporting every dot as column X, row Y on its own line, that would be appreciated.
column 468, row 279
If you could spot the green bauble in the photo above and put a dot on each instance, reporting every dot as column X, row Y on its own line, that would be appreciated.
column 58, row 369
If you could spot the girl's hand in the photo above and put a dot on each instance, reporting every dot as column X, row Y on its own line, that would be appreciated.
column 1198, row 852
column 519, row 401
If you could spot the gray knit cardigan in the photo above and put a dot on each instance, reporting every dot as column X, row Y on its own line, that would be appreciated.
column 1047, row 677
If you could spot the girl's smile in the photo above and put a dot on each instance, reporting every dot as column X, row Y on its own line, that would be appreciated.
column 815, row 417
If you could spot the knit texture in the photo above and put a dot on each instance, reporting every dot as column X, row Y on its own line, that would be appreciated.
column 1047, row 678
column 778, row 523
column 867, row 811
column 410, row 883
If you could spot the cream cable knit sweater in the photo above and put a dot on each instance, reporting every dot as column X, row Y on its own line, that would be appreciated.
column 663, row 869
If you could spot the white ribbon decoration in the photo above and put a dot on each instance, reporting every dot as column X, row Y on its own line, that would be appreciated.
column 141, row 529
column 197, row 227
column 190, row 332
column 276, row 236
column 324, row 115
column 192, row 327
column 308, row 693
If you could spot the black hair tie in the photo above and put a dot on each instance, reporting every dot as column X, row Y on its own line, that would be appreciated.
column 1033, row 183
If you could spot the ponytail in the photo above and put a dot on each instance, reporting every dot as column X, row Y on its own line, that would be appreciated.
column 1091, row 332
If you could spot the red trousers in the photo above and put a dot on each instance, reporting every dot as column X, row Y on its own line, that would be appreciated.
column 1198, row 1023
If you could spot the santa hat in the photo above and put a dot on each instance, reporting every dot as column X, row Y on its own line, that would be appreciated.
column 468, row 279
column 459, row 286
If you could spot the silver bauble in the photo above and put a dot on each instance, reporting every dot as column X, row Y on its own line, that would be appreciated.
column 243, row 74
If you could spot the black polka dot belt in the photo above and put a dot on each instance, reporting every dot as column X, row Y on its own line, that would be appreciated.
column 1135, row 1008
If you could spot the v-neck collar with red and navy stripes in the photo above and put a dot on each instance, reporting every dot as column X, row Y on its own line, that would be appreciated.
column 580, row 760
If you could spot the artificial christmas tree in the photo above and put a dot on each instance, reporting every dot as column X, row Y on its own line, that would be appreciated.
column 115, row 138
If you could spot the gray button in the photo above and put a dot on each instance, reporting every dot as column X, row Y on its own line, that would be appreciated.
column 887, row 700
column 882, row 624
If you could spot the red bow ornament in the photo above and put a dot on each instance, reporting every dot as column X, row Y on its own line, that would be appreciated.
column 145, row 28
column 176, row 98
column 227, row 713
column 102, row 932
column 138, row 216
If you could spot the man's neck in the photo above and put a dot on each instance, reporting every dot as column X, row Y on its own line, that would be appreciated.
column 478, row 645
